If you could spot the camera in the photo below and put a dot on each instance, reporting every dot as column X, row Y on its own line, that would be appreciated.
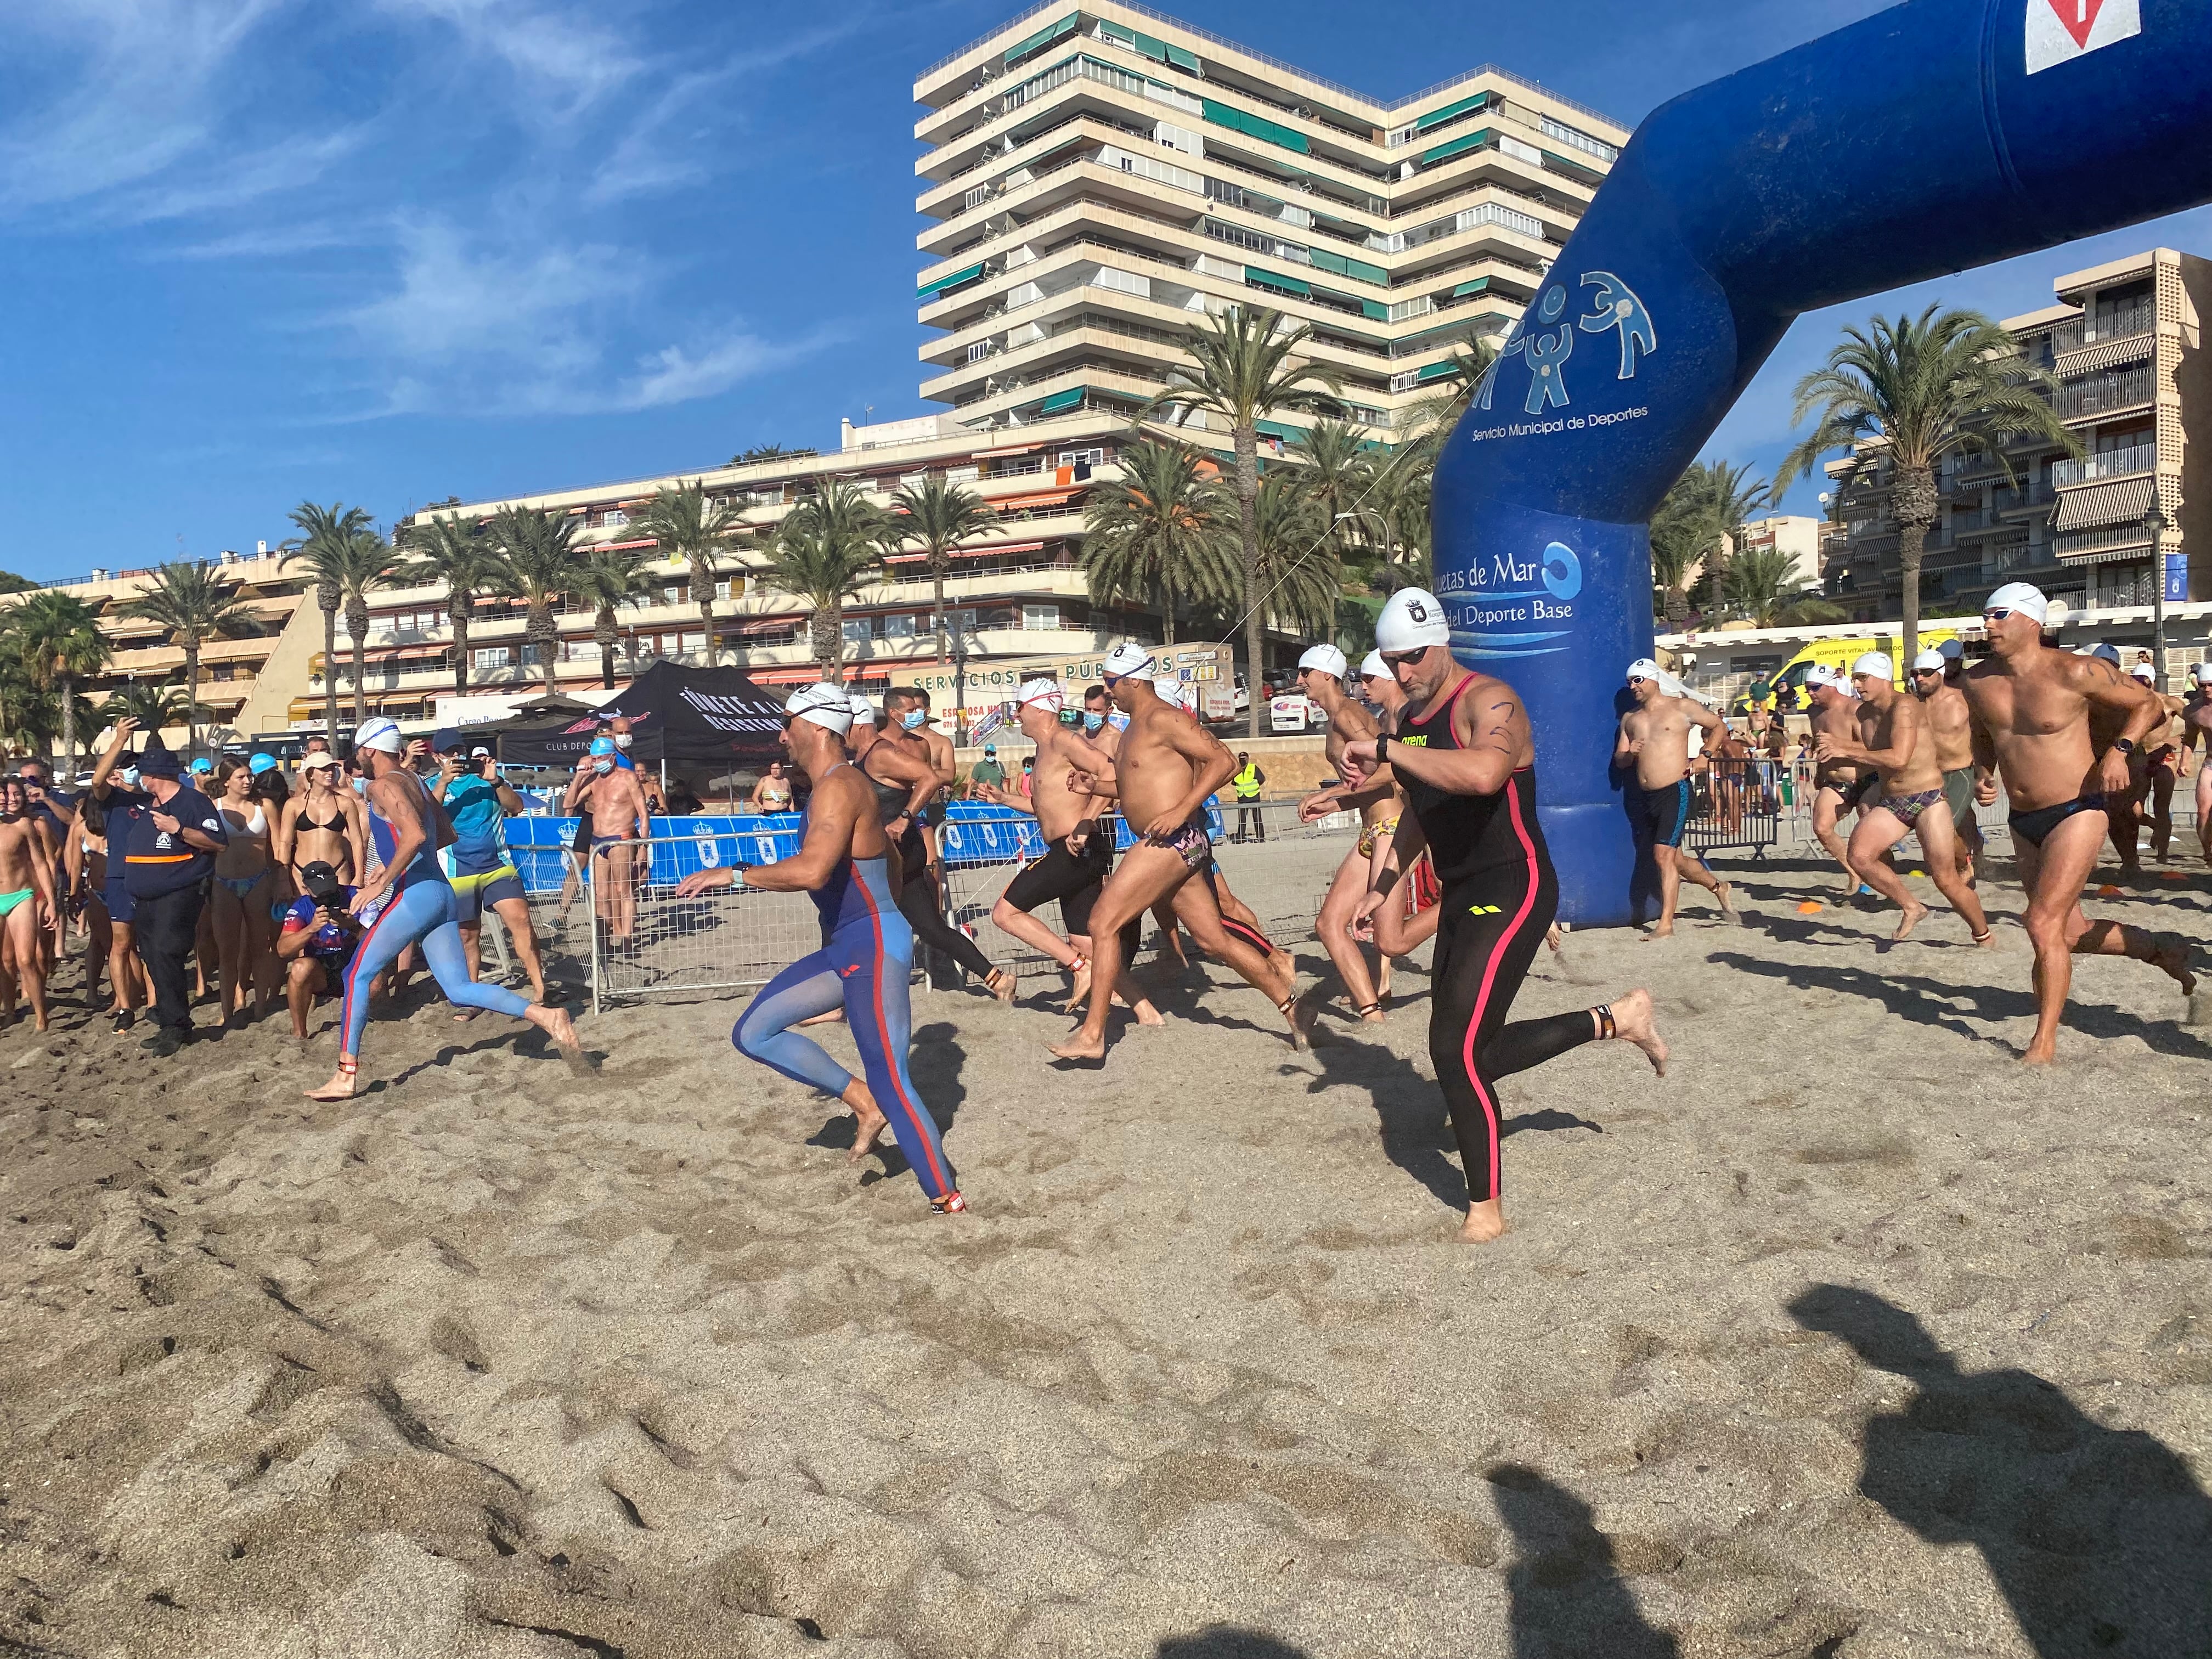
column 322, row 885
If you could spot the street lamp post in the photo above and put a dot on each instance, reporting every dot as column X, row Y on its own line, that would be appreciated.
column 960, row 684
column 2155, row 522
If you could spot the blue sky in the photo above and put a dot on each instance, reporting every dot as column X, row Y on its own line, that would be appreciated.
column 386, row 251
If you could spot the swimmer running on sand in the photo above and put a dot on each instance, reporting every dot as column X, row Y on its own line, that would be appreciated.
column 1467, row 760
column 1840, row 787
column 1322, row 674
column 1951, row 728
column 1893, row 738
column 866, row 956
column 1165, row 769
column 2032, row 705
column 1654, row 736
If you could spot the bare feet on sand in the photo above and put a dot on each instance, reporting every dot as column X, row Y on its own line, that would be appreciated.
column 1726, row 894
column 1485, row 1221
column 1914, row 915
column 868, row 1124
column 2172, row 955
column 1079, row 1046
column 340, row 1087
column 1634, row 1022
column 1080, row 992
column 1660, row 930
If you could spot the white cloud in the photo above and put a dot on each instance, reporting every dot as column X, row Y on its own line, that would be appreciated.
column 675, row 375
column 144, row 95
column 549, row 50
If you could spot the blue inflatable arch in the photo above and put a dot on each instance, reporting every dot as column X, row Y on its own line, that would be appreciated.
column 1932, row 137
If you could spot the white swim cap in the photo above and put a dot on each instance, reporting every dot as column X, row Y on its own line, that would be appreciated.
column 2143, row 670
column 1127, row 661
column 1645, row 669
column 1874, row 665
column 378, row 733
column 1929, row 658
column 1954, row 649
column 1820, row 674
column 1411, row 621
column 1043, row 693
column 1325, row 660
column 826, row 705
column 2202, row 672
column 1372, row 666
column 2023, row 597
column 864, row 712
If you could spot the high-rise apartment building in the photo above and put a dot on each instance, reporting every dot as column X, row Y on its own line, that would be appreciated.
column 1095, row 178
column 2124, row 347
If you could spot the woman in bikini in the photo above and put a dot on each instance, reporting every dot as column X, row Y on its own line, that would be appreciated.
column 772, row 794
column 245, row 879
column 323, row 822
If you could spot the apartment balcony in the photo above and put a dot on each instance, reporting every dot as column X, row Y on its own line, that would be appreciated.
column 2107, row 324
column 2034, row 498
column 2110, row 463
column 2105, row 395
column 2104, row 542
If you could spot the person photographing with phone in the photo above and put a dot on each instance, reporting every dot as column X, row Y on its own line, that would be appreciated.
column 483, row 876
column 317, row 941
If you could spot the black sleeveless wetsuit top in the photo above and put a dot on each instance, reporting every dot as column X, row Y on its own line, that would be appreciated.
column 1468, row 835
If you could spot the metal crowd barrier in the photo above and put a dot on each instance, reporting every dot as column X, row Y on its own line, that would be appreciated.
column 1735, row 804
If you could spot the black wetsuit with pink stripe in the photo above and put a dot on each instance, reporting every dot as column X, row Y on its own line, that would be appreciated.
column 1499, row 896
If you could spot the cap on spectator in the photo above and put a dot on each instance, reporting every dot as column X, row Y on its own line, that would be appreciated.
column 157, row 762
column 1955, row 649
column 322, row 759
column 479, row 753
column 261, row 763
column 202, row 766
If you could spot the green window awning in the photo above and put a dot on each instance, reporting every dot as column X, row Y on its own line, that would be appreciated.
column 1437, row 117
column 1480, row 285
column 936, row 289
column 1283, row 284
column 1435, row 372
column 1458, row 146
column 1042, row 38
column 1277, row 429
column 1183, row 60
column 1358, row 269
column 1070, row 398
column 1254, row 126
column 1375, row 310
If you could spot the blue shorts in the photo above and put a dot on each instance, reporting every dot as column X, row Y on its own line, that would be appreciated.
column 116, row 897
column 1660, row 815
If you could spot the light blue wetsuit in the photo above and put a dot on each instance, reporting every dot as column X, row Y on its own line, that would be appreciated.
column 419, row 909
column 864, row 965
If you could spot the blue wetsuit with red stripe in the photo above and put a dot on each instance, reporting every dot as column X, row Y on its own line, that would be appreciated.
column 419, row 909
column 864, row 965
column 1500, row 894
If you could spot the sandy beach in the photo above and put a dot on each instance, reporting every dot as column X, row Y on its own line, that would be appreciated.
column 1849, row 1338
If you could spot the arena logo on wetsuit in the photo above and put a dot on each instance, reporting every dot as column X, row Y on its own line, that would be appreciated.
column 2060, row 31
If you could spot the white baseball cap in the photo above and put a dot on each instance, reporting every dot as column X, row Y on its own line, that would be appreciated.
column 379, row 733
column 2023, row 597
column 1325, row 660
column 828, row 706
column 1043, row 693
column 1929, row 658
column 1372, row 667
column 479, row 753
column 1875, row 666
column 1411, row 621
column 1128, row 661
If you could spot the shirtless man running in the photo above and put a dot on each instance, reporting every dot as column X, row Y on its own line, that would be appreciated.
column 612, row 799
column 1893, row 738
column 2196, row 722
column 1951, row 728
column 2164, row 761
column 1322, row 674
column 1656, row 736
column 1839, row 787
column 1078, row 852
column 1465, row 755
column 2032, row 705
column 1167, row 766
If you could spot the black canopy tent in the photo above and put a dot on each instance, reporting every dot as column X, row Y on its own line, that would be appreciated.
column 689, row 718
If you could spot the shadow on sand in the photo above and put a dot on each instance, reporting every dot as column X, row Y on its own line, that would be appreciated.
column 2100, row 1539
column 1569, row 1600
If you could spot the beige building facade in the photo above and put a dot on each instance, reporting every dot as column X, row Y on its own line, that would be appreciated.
column 1096, row 178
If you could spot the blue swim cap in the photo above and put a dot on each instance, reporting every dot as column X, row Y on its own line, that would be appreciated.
column 261, row 763
column 203, row 765
column 603, row 745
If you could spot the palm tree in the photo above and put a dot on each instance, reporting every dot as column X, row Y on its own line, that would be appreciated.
column 938, row 515
column 1758, row 585
column 459, row 557
column 193, row 603
column 1423, row 425
column 326, row 536
column 1394, row 522
column 1241, row 372
column 609, row 579
column 1949, row 382
column 61, row 645
column 538, row 565
column 1161, row 534
column 1338, row 474
column 1299, row 569
column 693, row 529
column 823, row 554
column 1692, row 527
column 1720, row 499
column 153, row 706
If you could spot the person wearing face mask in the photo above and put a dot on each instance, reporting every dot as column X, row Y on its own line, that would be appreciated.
column 29, row 904
column 106, row 815
column 169, row 836
column 608, row 793
column 933, row 746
